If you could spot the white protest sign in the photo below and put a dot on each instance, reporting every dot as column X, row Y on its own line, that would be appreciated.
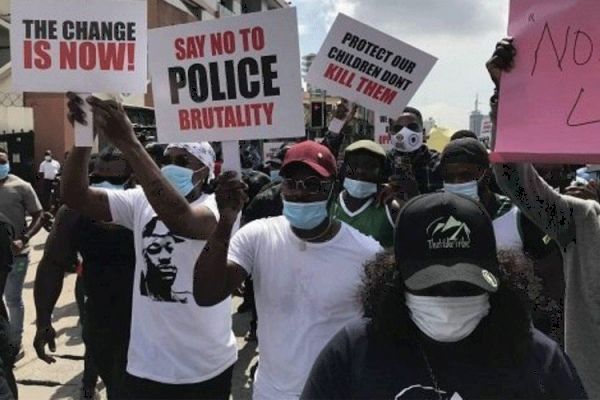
column 369, row 67
column 79, row 46
column 229, row 79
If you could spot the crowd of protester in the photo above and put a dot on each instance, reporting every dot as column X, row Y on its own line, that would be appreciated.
column 369, row 274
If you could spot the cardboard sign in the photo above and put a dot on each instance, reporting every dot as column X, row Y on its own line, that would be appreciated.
column 369, row 67
column 548, row 109
column 485, row 133
column 230, row 79
column 382, row 134
column 81, row 46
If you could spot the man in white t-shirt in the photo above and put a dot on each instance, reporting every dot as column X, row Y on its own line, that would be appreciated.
column 49, row 169
column 306, row 268
column 177, row 349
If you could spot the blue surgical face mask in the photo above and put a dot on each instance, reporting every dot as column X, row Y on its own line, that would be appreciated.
column 359, row 189
column 4, row 170
column 275, row 175
column 179, row 177
column 469, row 189
column 107, row 185
column 305, row 215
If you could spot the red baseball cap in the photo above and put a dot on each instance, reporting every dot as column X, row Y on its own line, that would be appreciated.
column 314, row 155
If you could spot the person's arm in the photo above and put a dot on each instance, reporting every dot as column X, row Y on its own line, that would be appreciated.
column 170, row 206
column 75, row 190
column 214, row 276
column 549, row 210
column 333, row 140
column 331, row 372
column 546, row 208
column 59, row 254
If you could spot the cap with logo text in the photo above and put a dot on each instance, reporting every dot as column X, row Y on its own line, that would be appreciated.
column 443, row 237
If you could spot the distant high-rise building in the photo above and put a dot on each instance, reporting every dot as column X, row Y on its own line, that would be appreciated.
column 476, row 118
column 307, row 61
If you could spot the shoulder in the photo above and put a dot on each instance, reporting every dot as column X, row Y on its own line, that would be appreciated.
column 261, row 226
column 19, row 183
column 360, row 241
column 544, row 349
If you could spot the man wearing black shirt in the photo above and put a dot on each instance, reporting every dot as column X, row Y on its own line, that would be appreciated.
column 442, row 322
column 108, row 267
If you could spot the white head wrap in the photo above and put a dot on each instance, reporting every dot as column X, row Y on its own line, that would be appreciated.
column 203, row 151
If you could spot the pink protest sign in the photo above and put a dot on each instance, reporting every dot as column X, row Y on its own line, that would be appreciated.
column 548, row 108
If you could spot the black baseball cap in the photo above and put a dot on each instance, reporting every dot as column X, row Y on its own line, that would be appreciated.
column 443, row 237
column 465, row 150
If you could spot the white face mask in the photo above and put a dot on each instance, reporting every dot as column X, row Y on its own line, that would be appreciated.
column 407, row 140
column 48, row 158
column 447, row 319
column 469, row 189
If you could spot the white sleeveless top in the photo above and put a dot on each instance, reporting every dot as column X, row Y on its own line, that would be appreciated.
column 506, row 229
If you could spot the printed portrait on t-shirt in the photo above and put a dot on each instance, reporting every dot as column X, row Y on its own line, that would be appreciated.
column 425, row 393
column 157, row 281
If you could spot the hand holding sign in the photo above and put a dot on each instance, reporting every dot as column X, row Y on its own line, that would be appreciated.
column 552, row 92
column 109, row 119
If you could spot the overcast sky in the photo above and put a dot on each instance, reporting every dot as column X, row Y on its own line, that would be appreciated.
column 460, row 33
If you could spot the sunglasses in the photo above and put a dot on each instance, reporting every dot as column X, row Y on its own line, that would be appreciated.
column 310, row 185
column 412, row 126
column 113, row 180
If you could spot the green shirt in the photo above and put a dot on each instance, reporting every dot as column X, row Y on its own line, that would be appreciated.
column 369, row 219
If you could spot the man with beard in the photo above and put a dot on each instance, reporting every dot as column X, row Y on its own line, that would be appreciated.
column 108, row 263
column 306, row 267
column 441, row 321
column 177, row 350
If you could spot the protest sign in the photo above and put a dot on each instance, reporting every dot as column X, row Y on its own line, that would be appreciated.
column 548, row 110
column 80, row 46
column 382, row 134
column 369, row 67
column 270, row 150
column 485, row 132
column 230, row 79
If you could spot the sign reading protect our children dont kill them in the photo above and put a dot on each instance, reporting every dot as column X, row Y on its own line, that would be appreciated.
column 548, row 106
column 369, row 67
column 81, row 46
column 229, row 79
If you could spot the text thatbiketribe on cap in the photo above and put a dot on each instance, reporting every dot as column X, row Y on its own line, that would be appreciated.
column 448, row 233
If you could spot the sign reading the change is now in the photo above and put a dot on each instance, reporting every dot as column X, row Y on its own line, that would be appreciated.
column 82, row 46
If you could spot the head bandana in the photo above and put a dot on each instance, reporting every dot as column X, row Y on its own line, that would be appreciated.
column 203, row 151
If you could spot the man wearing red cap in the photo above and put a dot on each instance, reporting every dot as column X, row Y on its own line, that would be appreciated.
column 306, row 266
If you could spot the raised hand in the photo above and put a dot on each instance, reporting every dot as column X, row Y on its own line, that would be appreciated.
column 109, row 116
column 230, row 195
column 502, row 59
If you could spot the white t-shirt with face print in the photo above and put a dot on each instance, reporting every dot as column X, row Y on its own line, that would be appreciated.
column 173, row 340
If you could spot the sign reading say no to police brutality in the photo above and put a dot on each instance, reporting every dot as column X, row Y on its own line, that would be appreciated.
column 81, row 46
column 229, row 79
column 369, row 67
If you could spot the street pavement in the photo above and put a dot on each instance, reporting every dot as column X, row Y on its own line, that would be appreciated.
column 62, row 380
